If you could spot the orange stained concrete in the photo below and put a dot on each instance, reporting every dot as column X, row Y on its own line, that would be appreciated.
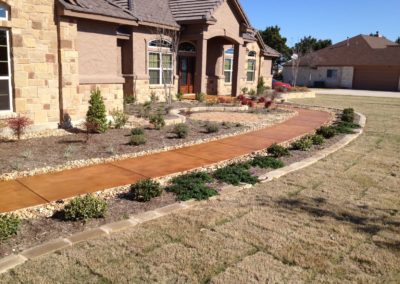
column 41, row 189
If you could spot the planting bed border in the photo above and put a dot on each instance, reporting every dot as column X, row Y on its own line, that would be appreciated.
column 12, row 261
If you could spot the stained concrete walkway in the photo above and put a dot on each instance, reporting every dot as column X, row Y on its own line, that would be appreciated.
column 41, row 189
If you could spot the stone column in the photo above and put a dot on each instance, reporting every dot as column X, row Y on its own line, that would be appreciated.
column 238, row 68
column 201, row 66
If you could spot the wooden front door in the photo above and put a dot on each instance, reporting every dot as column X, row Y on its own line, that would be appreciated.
column 186, row 74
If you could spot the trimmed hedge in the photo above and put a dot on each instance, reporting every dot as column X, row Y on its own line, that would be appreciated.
column 145, row 190
column 84, row 208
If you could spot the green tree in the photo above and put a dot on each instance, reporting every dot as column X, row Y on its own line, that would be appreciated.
column 309, row 44
column 273, row 38
column 96, row 114
column 398, row 40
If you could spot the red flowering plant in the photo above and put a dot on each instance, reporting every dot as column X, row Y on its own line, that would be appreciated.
column 18, row 125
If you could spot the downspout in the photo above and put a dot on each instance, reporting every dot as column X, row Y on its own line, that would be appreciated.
column 60, row 81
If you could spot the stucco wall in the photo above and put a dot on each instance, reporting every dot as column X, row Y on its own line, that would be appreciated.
column 33, row 39
column 227, row 21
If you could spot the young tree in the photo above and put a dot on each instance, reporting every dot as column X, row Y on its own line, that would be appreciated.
column 96, row 114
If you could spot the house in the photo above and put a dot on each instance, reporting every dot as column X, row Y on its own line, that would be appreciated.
column 54, row 52
column 362, row 62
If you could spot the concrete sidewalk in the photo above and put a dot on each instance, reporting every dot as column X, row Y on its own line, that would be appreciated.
column 42, row 189
column 357, row 93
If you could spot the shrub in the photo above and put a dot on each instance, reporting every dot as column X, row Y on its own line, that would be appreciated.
column 261, row 86
column 253, row 93
column 192, row 185
column 129, row 99
column 200, row 97
column 318, row 139
column 241, row 97
column 145, row 190
column 119, row 118
column 157, row 120
column 245, row 90
column 212, row 127
column 251, row 104
column 278, row 151
column 153, row 97
column 303, row 144
column 137, row 140
column 235, row 174
column 349, row 124
column 96, row 113
column 343, row 129
column 268, row 104
column 84, row 208
column 145, row 110
column 348, row 115
column 261, row 100
column 137, row 131
column 18, row 125
column 327, row 131
column 9, row 226
column 179, row 96
column 181, row 130
column 266, row 162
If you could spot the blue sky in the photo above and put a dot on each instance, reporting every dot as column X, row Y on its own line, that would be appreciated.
column 334, row 19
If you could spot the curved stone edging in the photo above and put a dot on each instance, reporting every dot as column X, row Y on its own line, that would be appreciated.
column 13, row 261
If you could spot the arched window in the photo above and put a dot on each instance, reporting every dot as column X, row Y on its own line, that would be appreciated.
column 228, row 65
column 160, row 62
column 251, row 66
column 187, row 47
column 3, row 12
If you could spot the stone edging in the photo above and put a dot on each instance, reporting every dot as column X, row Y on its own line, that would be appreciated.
column 12, row 261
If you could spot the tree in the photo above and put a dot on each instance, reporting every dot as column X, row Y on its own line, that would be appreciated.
column 398, row 40
column 310, row 44
column 273, row 38
column 96, row 114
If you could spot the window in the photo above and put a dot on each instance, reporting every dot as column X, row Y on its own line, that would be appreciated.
column 160, row 62
column 331, row 74
column 3, row 12
column 251, row 66
column 228, row 65
column 5, row 72
column 187, row 47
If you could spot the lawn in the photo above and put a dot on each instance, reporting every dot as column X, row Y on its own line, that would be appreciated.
column 337, row 221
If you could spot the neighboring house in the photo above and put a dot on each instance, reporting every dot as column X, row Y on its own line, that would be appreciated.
column 54, row 52
column 362, row 62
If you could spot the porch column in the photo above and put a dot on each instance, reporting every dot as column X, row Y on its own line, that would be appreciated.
column 201, row 66
column 238, row 68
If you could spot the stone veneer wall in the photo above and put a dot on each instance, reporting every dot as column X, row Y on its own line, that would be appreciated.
column 33, row 40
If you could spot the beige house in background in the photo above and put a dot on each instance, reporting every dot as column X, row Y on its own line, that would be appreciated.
column 362, row 62
column 54, row 52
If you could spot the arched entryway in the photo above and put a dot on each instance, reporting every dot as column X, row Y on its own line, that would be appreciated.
column 187, row 67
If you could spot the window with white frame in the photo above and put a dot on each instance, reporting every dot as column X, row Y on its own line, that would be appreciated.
column 228, row 65
column 251, row 66
column 3, row 12
column 5, row 72
column 160, row 62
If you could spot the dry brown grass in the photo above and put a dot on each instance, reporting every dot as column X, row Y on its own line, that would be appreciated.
column 337, row 221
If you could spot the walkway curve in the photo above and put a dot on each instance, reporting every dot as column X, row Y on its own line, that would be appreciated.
column 41, row 189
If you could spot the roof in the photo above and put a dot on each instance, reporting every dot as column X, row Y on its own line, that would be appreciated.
column 361, row 50
column 190, row 10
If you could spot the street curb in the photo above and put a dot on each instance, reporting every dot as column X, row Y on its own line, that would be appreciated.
column 13, row 261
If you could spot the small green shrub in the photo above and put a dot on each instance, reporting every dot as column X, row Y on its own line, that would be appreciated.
column 137, row 131
column 200, row 97
column 137, row 140
column 327, row 131
column 236, row 174
column 9, row 226
column 349, row 124
column 145, row 190
column 348, row 115
column 303, row 144
column 181, row 130
column 191, row 186
column 212, row 127
column 343, row 129
column 179, row 96
column 96, row 113
column 266, row 162
column 157, row 120
column 119, row 118
column 145, row 109
column 261, row 86
column 318, row 139
column 85, row 208
column 278, row 151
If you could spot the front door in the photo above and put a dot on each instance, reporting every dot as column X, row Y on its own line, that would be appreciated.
column 186, row 74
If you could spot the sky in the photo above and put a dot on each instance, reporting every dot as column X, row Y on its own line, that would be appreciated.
column 322, row 19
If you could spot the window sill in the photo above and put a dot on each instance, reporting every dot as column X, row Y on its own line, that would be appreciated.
column 4, row 114
column 160, row 86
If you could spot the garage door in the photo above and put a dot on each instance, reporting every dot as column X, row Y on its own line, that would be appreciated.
column 376, row 78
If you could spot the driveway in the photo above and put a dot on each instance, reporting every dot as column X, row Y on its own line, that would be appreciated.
column 358, row 93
